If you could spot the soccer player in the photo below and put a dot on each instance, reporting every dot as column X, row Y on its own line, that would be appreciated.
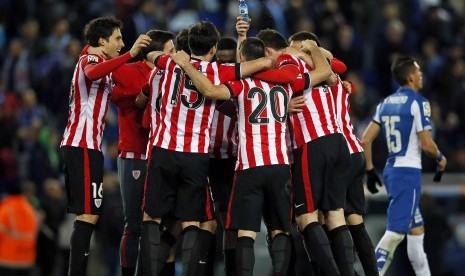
column 404, row 119
column 81, row 146
column 320, row 160
column 178, row 165
column 355, row 197
column 132, row 145
column 223, row 156
column 263, row 152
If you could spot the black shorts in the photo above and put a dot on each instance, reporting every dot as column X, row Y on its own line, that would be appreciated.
column 258, row 189
column 83, row 170
column 355, row 196
column 320, row 174
column 220, row 178
column 176, row 184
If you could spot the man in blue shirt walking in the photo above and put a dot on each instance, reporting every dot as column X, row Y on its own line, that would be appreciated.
column 404, row 120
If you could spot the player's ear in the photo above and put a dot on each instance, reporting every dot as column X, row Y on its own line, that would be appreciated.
column 268, row 51
column 213, row 51
column 102, row 41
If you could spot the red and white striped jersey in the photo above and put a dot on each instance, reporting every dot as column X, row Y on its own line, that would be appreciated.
column 341, row 101
column 223, row 140
column 185, row 116
column 318, row 116
column 262, row 113
column 88, row 105
column 154, row 101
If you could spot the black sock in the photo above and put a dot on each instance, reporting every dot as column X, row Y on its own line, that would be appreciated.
column 317, row 242
column 343, row 249
column 80, row 242
column 168, row 269
column 211, row 256
column 245, row 256
column 167, row 240
column 190, row 258
column 365, row 249
column 128, row 271
column 204, row 239
column 292, row 260
column 149, row 247
column 230, row 262
column 281, row 253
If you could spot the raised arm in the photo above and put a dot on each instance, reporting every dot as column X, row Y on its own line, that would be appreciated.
column 242, row 27
column 200, row 81
column 97, row 71
column 322, row 70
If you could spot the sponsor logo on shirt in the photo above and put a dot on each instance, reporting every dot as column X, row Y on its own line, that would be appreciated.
column 426, row 109
column 91, row 58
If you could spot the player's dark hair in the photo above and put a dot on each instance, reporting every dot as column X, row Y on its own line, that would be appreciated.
column 159, row 38
column 182, row 41
column 301, row 36
column 273, row 39
column 253, row 48
column 226, row 43
column 101, row 27
column 401, row 68
column 202, row 37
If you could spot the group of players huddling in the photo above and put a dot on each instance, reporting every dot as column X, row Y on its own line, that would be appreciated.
column 210, row 137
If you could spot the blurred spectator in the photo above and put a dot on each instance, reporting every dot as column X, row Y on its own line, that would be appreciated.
column 454, row 249
column 347, row 47
column 53, row 207
column 111, row 223
column 16, row 73
column 30, row 33
column 18, row 234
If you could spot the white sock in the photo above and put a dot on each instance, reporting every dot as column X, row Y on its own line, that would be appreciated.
column 385, row 249
column 416, row 254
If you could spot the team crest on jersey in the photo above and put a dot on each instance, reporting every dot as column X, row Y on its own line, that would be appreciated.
column 426, row 109
column 92, row 58
column 136, row 174
column 98, row 202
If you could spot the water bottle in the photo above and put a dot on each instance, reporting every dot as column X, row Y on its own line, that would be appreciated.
column 243, row 10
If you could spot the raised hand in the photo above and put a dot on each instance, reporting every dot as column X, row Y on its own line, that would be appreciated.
column 181, row 58
column 242, row 27
column 141, row 42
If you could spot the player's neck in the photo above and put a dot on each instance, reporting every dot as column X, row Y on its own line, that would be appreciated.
column 411, row 87
column 207, row 57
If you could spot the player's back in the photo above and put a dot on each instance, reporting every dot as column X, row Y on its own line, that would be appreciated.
column 318, row 116
column 262, row 113
column 401, row 116
column 185, row 114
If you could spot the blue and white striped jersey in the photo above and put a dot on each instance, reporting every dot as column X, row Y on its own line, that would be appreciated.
column 401, row 116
